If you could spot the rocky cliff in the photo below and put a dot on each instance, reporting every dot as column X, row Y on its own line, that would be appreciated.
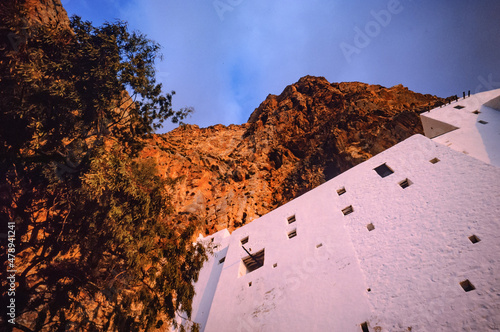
column 313, row 131
column 48, row 13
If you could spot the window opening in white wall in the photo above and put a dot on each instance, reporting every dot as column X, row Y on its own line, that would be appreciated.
column 364, row 327
column 250, row 284
column 252, row 262
column 319, row 245
column 467, row 285
column 459, row 107
column 275, row 265
column 434, row 160
column 244, row 240
column 370, row 227
column 474, row 239
column 347, row 210
column 341, row 191
column 291, row 219
column 292, row 234
column 405, row 183
column 383, row 170
column 222, row 260
column 476, row 112
column 483, row 122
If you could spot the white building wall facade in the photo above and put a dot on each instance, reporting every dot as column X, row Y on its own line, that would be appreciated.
column 469, row 125
column 395, row 263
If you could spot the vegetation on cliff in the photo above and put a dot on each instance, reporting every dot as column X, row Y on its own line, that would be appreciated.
column 95, row 245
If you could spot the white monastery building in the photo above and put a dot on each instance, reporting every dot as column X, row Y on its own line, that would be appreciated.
column 470, row 125
column 409, row 240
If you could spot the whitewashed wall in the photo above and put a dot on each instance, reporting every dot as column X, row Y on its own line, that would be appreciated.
column 335, row 274
column 470, row 126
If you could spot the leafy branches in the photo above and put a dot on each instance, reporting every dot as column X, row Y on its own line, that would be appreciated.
column 98, row 248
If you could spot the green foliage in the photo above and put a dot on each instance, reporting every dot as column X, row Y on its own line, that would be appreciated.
column 96, row 246
column 62, row 91
column 156, row 260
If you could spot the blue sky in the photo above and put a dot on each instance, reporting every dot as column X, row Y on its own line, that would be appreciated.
column 224, row 57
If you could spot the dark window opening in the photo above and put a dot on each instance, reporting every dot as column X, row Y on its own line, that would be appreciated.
column 434, row 160
column 467, row 285
column 370, row 227
column 483, row 122
column 383, row 170
column 275, row 265
column 347, row 210
column 476, row 112
column 319, row 245
column 474, row 239
column 341, row 191
column 405, row 183
column 250, row 284
column 244, row 240
column 291, row 219
column 459, row 107
column 253, row 262
column 364, row 327
column 292, row 234
column 222, row 260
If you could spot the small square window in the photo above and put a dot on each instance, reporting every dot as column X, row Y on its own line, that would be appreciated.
column 405, row 183
column 476, row 112
column 250, row 284
column 474, row 239
column 459, row 107
column 364, row 327
column 467, row 285
column 291, row 219
column 222, row 260
column 383, row 170
column 370, row 227
column 348, row 210
column 483, row 122
column 319, row 245
column 292, row 234
column 252, row 262
column 275, row 265
column 244, row 240
column 341, row 191
column 434, row 160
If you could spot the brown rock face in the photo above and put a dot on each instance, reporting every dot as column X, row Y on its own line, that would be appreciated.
column 47, row 13
column 313, row 131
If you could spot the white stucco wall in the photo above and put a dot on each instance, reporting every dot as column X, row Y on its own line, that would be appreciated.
column 412, row 262
column 471, row 137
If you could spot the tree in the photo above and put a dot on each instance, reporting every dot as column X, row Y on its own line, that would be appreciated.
column 96, row 246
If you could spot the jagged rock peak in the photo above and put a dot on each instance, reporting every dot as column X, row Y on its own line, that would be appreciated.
column 323, row 92
column 313, row 131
